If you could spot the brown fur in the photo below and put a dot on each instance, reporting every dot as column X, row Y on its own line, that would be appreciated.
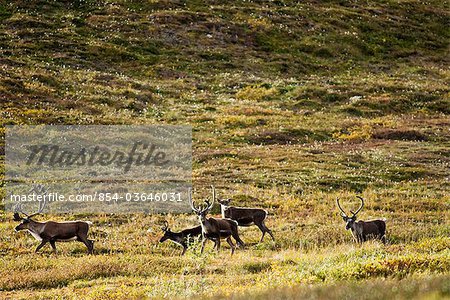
column 246, row 216
column 52, row 232
column 182, row 237
column 363, row 230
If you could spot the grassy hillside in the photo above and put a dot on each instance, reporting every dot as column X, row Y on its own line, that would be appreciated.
column 292, row 104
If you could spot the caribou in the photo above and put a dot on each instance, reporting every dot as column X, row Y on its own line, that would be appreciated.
column 363, row 230
column 246, row 216
column 182, row 238
column 215, row 229
column 52, row 232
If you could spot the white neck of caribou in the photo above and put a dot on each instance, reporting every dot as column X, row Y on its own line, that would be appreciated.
column 222, row 209
column 36, row 227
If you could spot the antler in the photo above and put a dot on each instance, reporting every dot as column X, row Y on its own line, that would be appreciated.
column 17, row 210
column 359, row 209
column 340, row 208
column 42, row 190
column 166, row 226
column 213, row 197
column 39, row 188
column 190, row 201
column 209, row 205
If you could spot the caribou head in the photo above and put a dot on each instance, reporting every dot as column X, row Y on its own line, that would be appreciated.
column 202, row 212
column 350, row 221
column 26, row 218
column 224, row 202
column 167, row 233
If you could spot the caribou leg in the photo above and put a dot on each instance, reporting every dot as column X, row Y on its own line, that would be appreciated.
column 42, row 244
column 184, row 250
column 268, row 231
column 263, row 230
column 235, row 234
column 361, row 237
column 217, row 245
column 203, row 244
column 262, row 226
column 262, row 237
column 53, row 244
column 89, row 243
column 230, row 242
column 92, row 244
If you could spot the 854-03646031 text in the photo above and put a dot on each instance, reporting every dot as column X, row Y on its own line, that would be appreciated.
column 100, row 196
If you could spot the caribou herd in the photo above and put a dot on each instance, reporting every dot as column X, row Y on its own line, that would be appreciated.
column 208, row 228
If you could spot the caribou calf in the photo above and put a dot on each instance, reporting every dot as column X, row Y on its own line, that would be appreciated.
column 246, row 216
column 216, row 229
column 182, row 238
column 363, row 230
column 52, row 232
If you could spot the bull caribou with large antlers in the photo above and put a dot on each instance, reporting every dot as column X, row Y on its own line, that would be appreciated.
column 52, row 232
column 215, row 229
column 363, row 230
